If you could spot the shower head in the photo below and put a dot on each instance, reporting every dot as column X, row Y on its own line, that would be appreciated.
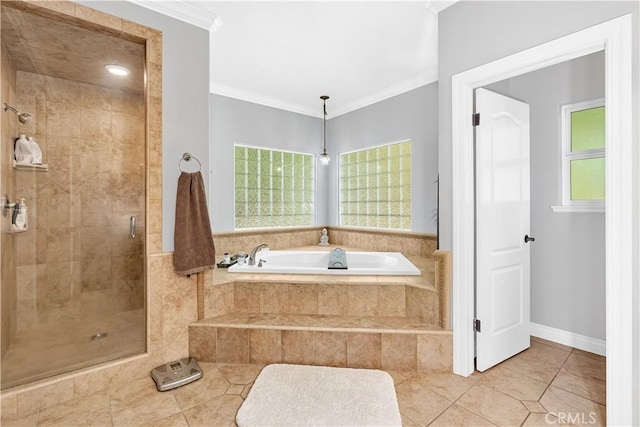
column 22, row 117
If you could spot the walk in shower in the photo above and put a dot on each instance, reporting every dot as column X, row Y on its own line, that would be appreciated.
column 73, row 291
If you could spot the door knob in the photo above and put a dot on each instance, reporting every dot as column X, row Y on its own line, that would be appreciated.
column 528, row 239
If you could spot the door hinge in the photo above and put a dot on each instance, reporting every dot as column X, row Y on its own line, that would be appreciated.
column 476, row 119
column 476, row 325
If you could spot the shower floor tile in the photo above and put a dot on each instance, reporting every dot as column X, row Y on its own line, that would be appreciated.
column 65, row 346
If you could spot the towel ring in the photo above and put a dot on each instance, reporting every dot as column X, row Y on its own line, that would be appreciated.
column 186, row 157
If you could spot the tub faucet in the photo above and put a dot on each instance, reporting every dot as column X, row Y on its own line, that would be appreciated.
column 252, row 255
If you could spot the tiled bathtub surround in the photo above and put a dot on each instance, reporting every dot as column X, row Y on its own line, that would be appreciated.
column 435, row 269
column 408, row 243
column 389, row 322
column 324, row 296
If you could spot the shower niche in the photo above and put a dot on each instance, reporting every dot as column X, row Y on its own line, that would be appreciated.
column 73, row 284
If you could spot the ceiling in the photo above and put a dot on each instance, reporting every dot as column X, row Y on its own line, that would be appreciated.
column 288, row 54
column 54, row 48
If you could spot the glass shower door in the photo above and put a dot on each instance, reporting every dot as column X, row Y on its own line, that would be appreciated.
column 73, row 285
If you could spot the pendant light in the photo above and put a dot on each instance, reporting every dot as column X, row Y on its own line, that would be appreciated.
column 324, row 157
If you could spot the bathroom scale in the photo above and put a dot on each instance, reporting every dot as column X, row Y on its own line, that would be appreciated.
column 177, row 373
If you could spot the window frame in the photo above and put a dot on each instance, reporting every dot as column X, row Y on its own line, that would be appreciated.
column 340, row 189
column 315, row 185
column 569, row 205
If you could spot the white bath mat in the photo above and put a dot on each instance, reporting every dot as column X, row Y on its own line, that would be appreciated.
column 298, row 395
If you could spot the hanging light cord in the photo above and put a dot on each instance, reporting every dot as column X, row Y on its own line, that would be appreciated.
column 324, row 140
column 324, row 157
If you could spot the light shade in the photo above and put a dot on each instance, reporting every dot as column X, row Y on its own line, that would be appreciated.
column 324, row 159
column 117, row 70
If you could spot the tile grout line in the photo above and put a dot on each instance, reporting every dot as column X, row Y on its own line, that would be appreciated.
column 442, row 412
column 463, row 407
column 554, row 377
column 581, row 376
column 519, row 400
column 568, row 391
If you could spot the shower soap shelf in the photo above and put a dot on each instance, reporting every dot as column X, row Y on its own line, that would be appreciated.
column 28, row 167
column 12, row 231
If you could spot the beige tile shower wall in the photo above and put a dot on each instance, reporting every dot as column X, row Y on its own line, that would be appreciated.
column 9, row 126
column 77, row 254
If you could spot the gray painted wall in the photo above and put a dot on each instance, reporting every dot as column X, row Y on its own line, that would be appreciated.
column 185, row 100
column 412, row 115
column 475, row 33
column 567, row 258
column 239, row 122
column 472, row 33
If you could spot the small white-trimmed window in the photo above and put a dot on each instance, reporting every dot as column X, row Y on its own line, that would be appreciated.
column 583, row 157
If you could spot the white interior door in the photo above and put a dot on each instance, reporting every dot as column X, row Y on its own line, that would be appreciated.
column 503, row 219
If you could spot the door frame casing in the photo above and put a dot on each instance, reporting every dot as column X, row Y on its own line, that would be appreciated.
column 615, row 38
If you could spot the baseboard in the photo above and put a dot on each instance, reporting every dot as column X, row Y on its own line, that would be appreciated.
column 582, row 342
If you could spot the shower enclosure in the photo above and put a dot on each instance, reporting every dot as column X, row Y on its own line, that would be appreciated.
column 72, row 284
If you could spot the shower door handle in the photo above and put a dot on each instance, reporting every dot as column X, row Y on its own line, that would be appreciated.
column 132, row 227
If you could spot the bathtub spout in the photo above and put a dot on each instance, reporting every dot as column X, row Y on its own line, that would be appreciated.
column 252, row 255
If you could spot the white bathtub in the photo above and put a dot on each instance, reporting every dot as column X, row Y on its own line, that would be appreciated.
column 316, row 262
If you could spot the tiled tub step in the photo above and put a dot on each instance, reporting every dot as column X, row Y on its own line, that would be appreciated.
column 358, row 296
column 394, row 343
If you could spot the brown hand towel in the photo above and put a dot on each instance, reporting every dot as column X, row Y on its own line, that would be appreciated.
column 193, row 242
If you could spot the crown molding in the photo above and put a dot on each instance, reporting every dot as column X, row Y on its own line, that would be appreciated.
column 256, row 98
column 435, row 6
column 187, row 11
column 389, row 92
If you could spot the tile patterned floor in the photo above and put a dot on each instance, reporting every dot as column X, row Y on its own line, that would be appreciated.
column 548, row 384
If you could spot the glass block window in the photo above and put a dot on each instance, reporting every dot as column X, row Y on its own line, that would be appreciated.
column 375, row 187
column 273, row 188
column 583, row 156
